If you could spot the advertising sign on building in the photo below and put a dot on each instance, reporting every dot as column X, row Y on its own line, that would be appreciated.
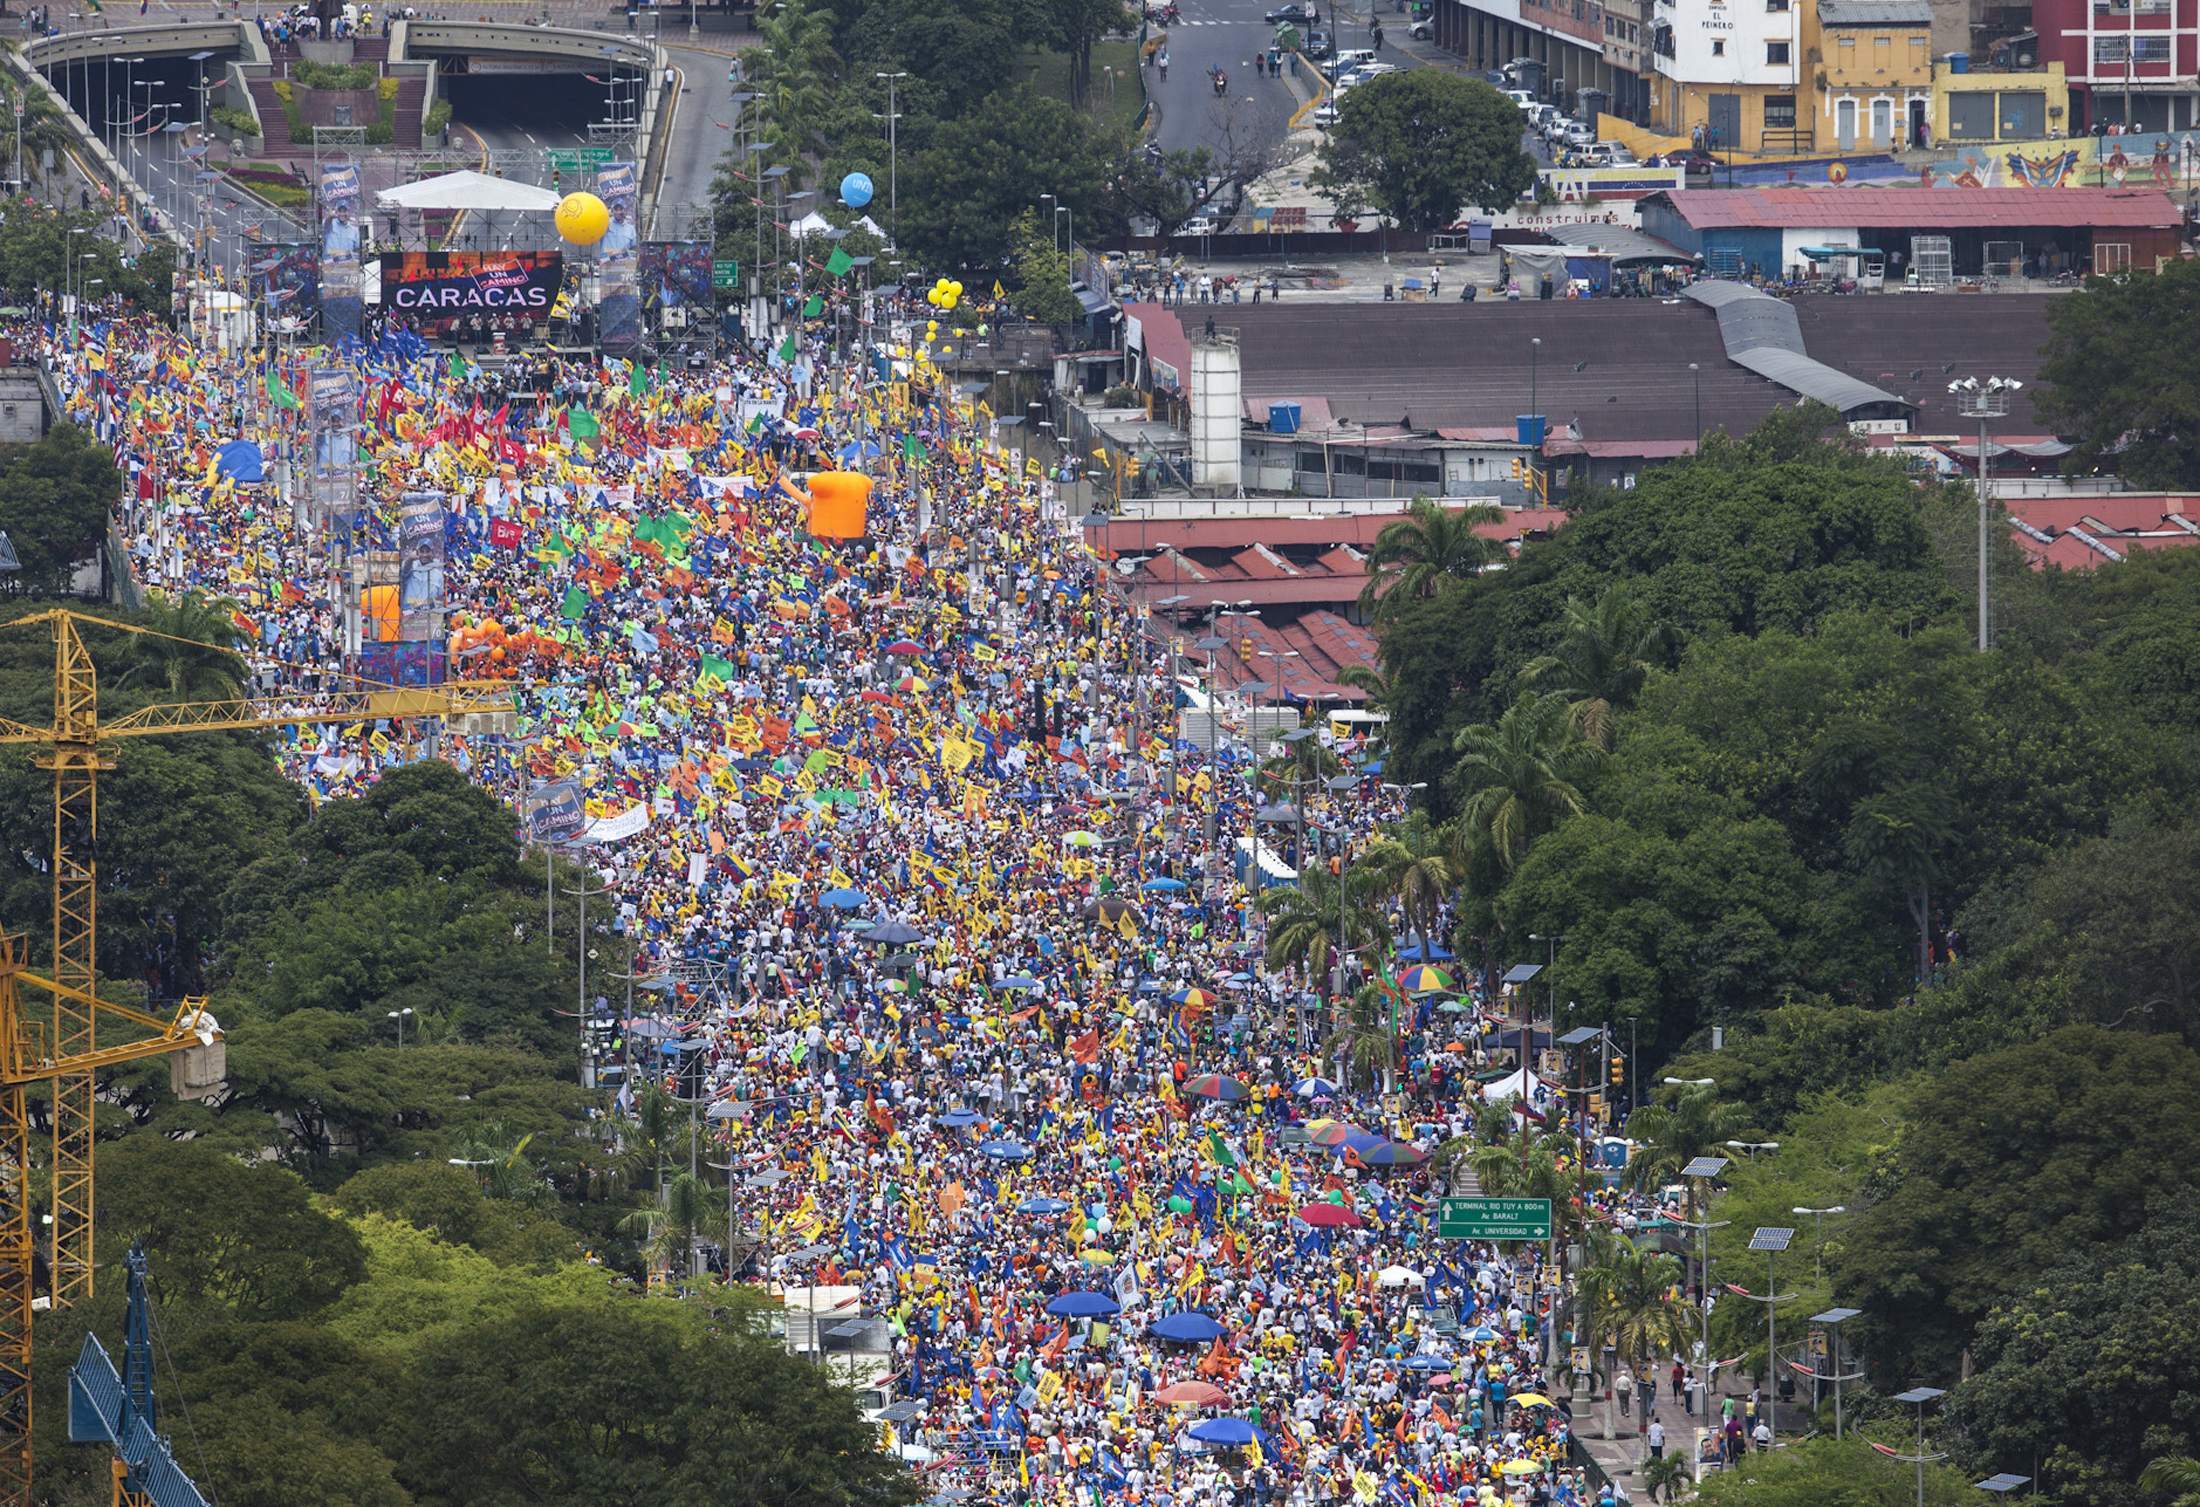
column 470, row 282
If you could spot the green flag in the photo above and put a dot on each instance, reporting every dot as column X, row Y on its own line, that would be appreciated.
column 839, row 262
column 280, row 395
column 787, row 347
column 576, row 602
column 715, row 668
column 637, row 381
column 458, row 364
column 814, row 307
column 912, row 449
column 582, row 426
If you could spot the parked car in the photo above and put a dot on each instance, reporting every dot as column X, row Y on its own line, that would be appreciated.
column 1318, row 44
column 1325, row 114
column 1423, row 31
column 1579, row 134
column 1351, row 58
column 1551, row 125
column 1298, row 13
column 1521, row 97
column 1199, row 225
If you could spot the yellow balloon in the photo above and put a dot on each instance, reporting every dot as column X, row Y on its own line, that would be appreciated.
column 582, row 219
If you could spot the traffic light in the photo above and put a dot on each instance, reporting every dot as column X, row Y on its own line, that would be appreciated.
column 1596, row 1108
column 1619, row 1074
column 1519, row 468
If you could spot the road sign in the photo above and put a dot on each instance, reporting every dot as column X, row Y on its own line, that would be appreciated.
column 578, row 159
column 725, row 274
column 1493, row 1219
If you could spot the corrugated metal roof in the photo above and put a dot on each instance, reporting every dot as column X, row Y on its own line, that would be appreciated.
column 1813, row 379
column 1923, row 209
column 1874, row 13
column 1762, row 335
column 1623, row 244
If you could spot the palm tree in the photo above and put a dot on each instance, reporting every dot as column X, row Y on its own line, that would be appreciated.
column 1408, row 863
column 1664, row 1477
column 1669, row 1136
column 1370, row 1031
column 1303, row 919
column 667, row 1232
column 1605, row 652
column 2172, row 1475
column 188, row 651
column 654, row 1129
column 1630, row 1302
column 1520, row 778
column 1369, row 680
column 1897, row 837
column 1431, row 548
column 503, row 1165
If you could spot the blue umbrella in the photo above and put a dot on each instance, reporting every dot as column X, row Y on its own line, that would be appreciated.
column 1188, row 1328
column 1045, row 1206
column 1390, row 1154
column 1083, row 1305
column 1020, row 981
column 1437, row 953
column 1234, row 1432
column 1005, row 1151
column 845, row 899
column 1429, row 1363
column 958, row 1118
column 1481, row 1334
column 1361, row 1141
column 1164, row 886
column 1314, row 1088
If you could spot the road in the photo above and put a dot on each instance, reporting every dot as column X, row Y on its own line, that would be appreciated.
column 702, row 128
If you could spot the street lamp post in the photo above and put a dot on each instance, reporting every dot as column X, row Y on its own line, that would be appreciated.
column 1984, row 401
column 1819, row 1234
column 893, row 158
column 1772, row 1239
column 1695, row 375
column 400, row 1017
column 1833, row 1319
column 1921, row 1398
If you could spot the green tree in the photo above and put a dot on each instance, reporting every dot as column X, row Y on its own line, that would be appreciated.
column 1419, row 146
column 1606, row 650
column 1695, row 1122
column 55, row 496
column 2009, row 1164
column 2091, row 1365
column 1519, row 779
column 1630, row 1301
column 575, row 1405
column 1304, row 918
column 2119, row 379
column 1430, row 549
column 1074, row 26
column 189, row 652
column 453, row 1204
column 1042, row 271
column 1825, row 1473
column 964, row 191
column 1410, row 864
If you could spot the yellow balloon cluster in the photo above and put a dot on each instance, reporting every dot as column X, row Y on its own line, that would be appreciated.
column 582, row 219
column 945, row 294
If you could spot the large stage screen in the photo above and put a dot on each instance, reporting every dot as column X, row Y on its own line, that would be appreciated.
column 439, row 283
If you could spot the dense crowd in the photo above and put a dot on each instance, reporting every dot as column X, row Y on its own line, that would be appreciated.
column 900, row 827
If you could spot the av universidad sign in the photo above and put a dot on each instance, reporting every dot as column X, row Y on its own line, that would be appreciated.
column 470, row 282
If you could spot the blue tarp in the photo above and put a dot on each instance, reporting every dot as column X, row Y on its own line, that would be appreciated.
column 240, row 461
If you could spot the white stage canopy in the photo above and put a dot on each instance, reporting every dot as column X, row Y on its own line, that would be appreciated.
column 468, row 190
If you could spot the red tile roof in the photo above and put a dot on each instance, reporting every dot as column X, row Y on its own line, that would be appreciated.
column 2087, row 532
column 1923, row 209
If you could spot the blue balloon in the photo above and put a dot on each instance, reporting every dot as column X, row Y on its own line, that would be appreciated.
column 856, row 190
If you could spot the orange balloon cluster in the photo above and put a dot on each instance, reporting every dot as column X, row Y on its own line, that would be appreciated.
column 483, row 648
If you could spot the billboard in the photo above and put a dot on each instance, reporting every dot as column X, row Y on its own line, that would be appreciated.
column 288, row 279
column 439, row 283
column 552, row 811
column 420, row 565
column 676, row 274
column 618, row 264
column 339, row 195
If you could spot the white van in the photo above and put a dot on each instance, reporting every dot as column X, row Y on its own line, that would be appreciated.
column 1345, row 62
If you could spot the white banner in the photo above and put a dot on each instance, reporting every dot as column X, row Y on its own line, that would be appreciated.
column 618, row 828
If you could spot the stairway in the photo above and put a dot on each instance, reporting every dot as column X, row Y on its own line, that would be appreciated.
column 406, row 111
column 274, row 124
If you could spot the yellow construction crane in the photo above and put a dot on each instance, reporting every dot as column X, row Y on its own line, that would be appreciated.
column 69, row 1053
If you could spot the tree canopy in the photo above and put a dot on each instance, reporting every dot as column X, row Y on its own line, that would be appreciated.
column 2119, row 377
column 1420, row 145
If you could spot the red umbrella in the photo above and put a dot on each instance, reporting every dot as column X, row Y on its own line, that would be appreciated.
column 1199, row 1393
column 1332, row 1133
column 907, row 648
column 1217, row 1086
column 1330, row 1217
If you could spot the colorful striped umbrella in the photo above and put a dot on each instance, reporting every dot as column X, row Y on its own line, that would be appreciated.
column 1426, row 978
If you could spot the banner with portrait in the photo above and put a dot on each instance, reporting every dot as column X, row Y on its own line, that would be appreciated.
column 339, row 196
column 420, row 531
column 618, row 263
column 435, row 284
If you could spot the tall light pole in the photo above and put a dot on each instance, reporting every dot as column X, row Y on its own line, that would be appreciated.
column 1833, row 1319
column 400, row 1017
column 1984, row 401
column 1921, row 1398
column 893, row 159
column 1819, row 1234
column 1772, row 1239
column 1695, row 375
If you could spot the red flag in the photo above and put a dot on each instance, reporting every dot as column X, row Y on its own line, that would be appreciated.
column 1086, row 1048
column 504, row 533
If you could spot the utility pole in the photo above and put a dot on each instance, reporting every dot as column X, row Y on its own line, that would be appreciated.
column 1833, row 1319
column 1771, row 1239
column 583, row 892
column 893, row 159
column 1698, row 1171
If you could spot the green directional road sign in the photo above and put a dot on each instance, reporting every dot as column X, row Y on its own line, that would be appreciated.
column 725, row 274
column 1493, row 1219
column 578, row 159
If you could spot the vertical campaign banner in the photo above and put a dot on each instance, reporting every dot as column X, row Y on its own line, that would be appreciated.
column 340, row 296
column 676, row 275
column 420, row 567
column 618, row 263
column 332, row 399
column 288, row 279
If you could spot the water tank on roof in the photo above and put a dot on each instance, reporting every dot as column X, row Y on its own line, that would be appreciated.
column 1528, row 429
column 1959, row 62
column 1283, row 418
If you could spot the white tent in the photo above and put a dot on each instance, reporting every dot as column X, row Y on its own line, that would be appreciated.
column 814, row 223
column 1517, row 1084
column 468, row 190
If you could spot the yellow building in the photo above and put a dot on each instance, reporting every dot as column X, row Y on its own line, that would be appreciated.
column 1871, row 72
column 2029, row 106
